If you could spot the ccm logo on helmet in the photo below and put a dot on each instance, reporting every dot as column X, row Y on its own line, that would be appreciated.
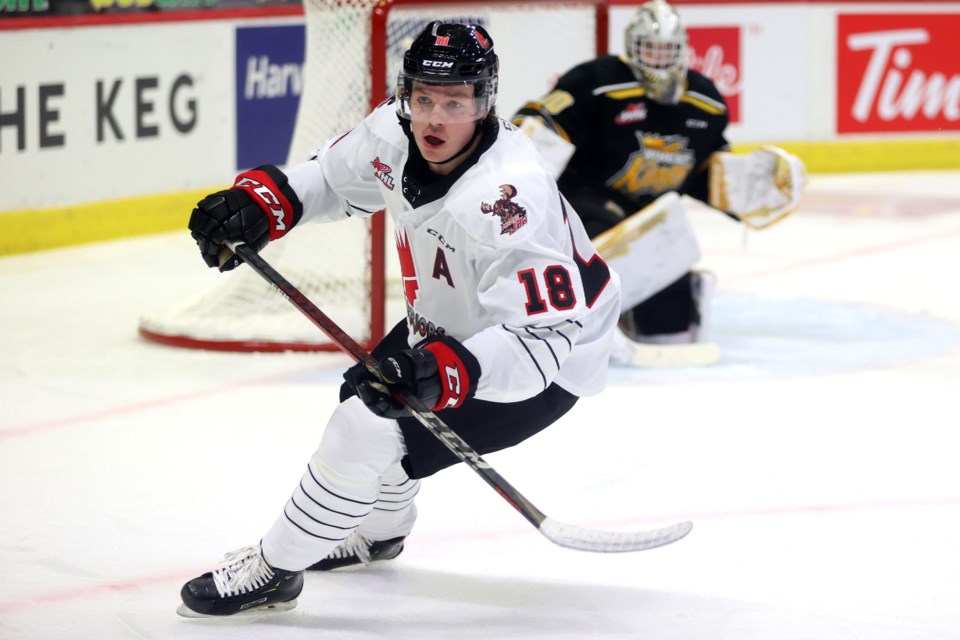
column 440, row 64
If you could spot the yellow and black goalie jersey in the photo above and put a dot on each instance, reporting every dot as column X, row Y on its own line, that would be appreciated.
column 629, row 149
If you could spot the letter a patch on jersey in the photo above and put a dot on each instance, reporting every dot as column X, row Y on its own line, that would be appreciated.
column 441, row 269
column 408, row 270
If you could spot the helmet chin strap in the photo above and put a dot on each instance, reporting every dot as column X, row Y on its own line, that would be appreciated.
column 476, row 134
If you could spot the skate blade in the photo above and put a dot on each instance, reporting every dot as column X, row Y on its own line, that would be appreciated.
column 277, row 607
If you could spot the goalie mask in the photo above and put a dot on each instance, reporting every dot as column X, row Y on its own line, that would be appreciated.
column 450, row 55
column 656, row 46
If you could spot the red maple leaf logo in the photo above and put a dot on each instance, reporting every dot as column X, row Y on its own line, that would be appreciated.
column 408, row 272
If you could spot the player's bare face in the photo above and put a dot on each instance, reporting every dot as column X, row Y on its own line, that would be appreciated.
column 443, row 120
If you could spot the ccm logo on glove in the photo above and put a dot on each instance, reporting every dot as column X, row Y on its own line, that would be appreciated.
column 453, row 386
column 264, row 192
column 452, row 371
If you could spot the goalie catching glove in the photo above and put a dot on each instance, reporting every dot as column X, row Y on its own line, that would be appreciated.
column 260, row 207
column 441, row 374
column 759, row 188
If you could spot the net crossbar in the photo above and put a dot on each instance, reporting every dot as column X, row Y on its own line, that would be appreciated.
column 354, row 52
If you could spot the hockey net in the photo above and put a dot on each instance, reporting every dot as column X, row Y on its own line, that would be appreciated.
column 349, row 269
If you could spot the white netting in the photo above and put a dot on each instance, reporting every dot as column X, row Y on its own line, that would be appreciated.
column 330, row 263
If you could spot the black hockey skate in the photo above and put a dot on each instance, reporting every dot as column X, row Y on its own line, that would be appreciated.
column 357, row 549
column 244, row 583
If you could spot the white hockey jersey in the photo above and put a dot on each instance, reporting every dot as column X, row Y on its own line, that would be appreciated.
column 495, row 258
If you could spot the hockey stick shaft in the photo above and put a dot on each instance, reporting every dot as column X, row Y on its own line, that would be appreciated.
column 560, row 533
column 418, row 410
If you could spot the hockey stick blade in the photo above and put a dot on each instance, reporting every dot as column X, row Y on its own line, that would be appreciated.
column 564, row 535
column 574, row 537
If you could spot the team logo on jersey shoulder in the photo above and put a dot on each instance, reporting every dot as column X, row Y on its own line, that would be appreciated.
column 635, row 112
column 382, row 172
column 512, row 215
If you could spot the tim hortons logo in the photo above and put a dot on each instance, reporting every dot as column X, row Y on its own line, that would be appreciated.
column 512, row 216
column 903, row 79
column 382, row 172
column 715, row 52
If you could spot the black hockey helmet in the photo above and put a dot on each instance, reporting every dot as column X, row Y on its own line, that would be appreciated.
column 451, row 54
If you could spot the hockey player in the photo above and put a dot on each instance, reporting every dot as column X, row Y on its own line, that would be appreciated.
column 622, row 131
column 510, row 312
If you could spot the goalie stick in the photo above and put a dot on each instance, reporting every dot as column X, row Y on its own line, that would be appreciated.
column 693, row 354
column 560, row 533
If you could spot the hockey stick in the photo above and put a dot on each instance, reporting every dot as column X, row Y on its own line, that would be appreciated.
column 560, row 533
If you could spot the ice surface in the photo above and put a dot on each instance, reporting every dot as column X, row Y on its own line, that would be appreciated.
column 817, row 459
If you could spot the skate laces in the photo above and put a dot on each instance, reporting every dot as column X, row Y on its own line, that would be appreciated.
column 242, row 571
column 353, row 545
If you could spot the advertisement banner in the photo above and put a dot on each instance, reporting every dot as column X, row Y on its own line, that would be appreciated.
column 897, row 73
column 101, row 113
column 60, row 8
column 269, row 72
column 715, row 52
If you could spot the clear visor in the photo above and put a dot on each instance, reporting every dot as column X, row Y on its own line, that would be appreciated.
column 447, row 103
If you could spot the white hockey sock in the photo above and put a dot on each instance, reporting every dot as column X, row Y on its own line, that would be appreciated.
column 338, row 490
column 395, row 513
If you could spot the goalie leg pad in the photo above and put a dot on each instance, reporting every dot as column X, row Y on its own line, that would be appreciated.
column 680, row 313
column 650, row 249
column 703, row 283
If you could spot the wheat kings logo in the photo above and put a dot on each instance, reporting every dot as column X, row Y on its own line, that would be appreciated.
column 662, row 163
column 512, row 215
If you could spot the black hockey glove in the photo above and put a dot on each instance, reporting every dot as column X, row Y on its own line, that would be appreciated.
column 441, row 374
column 260, row 207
